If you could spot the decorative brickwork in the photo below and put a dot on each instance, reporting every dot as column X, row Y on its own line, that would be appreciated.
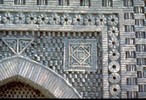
column 97, row 46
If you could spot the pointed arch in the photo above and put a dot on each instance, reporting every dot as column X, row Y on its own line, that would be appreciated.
column 35, row 73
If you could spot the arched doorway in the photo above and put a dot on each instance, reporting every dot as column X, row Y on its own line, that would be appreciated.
column 23, row 70
column 18, row 89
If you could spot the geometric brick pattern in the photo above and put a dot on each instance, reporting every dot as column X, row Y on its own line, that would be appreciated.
column 33, row 72
column 48, row 49
column 118, row 26
column 82, row 55
column 133, row 49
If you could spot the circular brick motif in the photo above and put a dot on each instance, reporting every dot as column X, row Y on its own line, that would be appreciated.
column 114, row 66
column 114, row 78
column 112, row 20
column 115, row 89
column 114, row 54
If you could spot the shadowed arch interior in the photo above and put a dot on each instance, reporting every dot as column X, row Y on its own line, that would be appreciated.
column 37, row 75
column 20, row 87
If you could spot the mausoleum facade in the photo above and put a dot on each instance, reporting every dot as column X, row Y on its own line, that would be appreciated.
column 73, row 49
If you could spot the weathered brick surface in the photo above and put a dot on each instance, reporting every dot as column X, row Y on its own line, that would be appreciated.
column 44, row 34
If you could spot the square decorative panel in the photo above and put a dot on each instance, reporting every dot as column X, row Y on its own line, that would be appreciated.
column 80, row 55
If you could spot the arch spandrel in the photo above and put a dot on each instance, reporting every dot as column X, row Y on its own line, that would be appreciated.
column 37, row 74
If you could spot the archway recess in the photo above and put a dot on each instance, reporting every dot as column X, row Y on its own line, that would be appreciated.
column 37, row 75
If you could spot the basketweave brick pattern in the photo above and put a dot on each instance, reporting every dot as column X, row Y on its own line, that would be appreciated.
column 43, row 31
column 132, row 71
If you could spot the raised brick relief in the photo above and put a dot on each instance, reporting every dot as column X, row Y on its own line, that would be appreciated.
column 81, row 54
column 97, row 46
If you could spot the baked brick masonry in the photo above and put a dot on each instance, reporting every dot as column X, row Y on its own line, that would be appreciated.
column 73, row 49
